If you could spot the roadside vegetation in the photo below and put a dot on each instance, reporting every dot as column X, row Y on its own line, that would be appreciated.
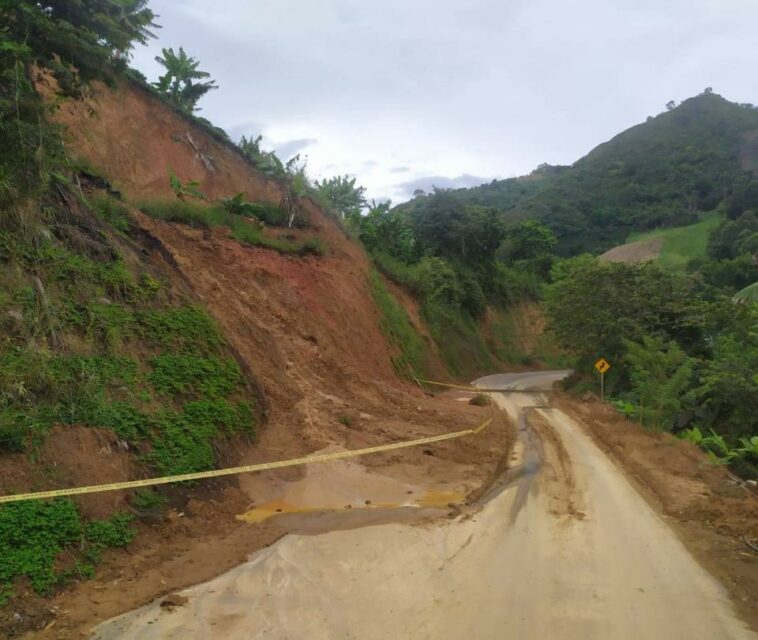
column 683, row 354
column 91, row 337
column 458, row 261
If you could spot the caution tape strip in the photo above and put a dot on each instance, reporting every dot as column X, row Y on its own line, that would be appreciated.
column 216, row 473
column 466, row 387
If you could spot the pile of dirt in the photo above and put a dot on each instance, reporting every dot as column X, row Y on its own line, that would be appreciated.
column 640, row 251
column 715, row 514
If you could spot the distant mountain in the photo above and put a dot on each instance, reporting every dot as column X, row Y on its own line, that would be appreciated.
column 663, row 172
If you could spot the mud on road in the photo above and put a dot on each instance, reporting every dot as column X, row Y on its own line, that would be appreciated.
column 566, row 547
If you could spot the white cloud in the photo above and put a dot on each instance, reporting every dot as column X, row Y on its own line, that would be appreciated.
column 485, row 87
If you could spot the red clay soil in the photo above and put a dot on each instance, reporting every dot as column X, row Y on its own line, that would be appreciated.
column 712, row 513
column 305, row 328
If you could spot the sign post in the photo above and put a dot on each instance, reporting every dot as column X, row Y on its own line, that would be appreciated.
column 602, row 366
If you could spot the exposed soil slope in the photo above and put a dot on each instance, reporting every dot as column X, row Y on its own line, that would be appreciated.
column 640, row 251
column 305, row 328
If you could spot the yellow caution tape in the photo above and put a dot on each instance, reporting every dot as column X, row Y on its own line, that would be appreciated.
column 465, row 387
column 451, row 386
column 201, row 475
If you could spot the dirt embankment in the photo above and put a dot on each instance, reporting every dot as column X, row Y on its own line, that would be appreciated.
column 712, row 513
column 640, row 251
column 305, row 328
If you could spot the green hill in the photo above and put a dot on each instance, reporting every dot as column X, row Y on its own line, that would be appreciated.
column 665, row 172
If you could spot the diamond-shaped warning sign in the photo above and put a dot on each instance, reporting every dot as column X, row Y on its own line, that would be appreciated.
column 602, row 365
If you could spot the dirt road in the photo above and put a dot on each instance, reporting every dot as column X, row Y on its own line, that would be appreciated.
column 565, row 548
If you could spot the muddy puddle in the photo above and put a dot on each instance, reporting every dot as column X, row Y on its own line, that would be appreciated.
column 345, row 495
column 432, row 499
column 347, row 491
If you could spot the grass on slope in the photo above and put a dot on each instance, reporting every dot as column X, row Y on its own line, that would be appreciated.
column 681, row 244
column 243, row 229
column 398, row 329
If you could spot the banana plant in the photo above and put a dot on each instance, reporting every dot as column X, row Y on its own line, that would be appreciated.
column 749, row 447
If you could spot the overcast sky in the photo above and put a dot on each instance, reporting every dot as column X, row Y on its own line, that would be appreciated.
column 410, row 93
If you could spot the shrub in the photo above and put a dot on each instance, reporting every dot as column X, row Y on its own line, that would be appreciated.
column 183, row 328
column 112, row 212
column 480, row 400
column 174, row 374
column 111, row 533
column 311, row 246
column 148, row 500
column 345, row 420
column 242, row 228
column 126, row 421
column 32, row 534
column 183, row 441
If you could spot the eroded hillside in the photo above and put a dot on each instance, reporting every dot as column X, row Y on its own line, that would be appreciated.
column 201, row 350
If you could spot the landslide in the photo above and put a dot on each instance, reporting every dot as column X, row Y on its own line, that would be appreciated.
column 304, row 329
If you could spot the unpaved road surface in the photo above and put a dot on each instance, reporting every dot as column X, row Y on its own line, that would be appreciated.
column 565, row 548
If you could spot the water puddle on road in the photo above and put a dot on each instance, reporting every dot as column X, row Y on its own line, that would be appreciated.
column 432, row 499
column 342, row 487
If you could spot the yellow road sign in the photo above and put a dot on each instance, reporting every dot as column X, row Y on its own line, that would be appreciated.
column 602, row 365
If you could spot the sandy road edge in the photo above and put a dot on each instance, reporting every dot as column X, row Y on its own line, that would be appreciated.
column 699, row 540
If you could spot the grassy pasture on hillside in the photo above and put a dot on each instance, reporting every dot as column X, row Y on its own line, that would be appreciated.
column 681, row 244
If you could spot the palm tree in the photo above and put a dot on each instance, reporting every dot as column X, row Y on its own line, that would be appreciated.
column 748, row 294
column 134, row 18
column 179, row 83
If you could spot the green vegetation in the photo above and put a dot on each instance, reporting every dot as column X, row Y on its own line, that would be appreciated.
column 33, row 534
column 398, row 329
column 244, row 229
column 180, row 83
column 86, row 341
column 744, row 456
column 186, row 443
column 341, row 195
column 148, row 500
column 662, row 173
column 683, row 354
column 681, row 244
column 457, row 260
column 175, row 374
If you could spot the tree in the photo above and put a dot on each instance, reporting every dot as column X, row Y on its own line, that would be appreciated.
column 388, row 231
column 596, row 307
column 728, row 381
column 528, row 240
column 88, row 35
column 660, row 374
column 74, row 42
column 264, row 161
column 445, row 227
column 341, row 194
column 179, row 83
column 670, row 105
